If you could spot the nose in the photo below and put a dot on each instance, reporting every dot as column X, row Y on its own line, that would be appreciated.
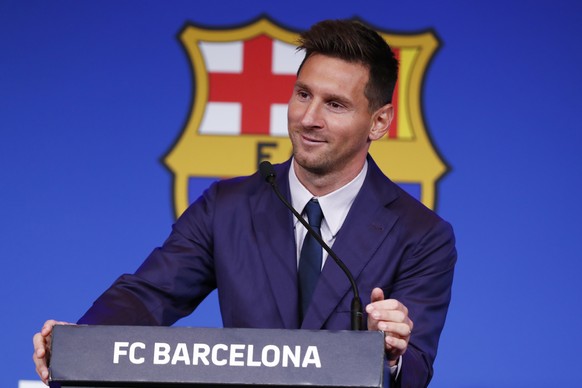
column 312, row 117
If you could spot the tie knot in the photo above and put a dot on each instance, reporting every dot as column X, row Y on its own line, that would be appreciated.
column 314, row 213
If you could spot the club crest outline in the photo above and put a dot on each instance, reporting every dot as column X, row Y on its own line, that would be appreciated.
column 406, row 156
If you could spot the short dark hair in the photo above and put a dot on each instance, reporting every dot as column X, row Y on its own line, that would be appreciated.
column 352, row 41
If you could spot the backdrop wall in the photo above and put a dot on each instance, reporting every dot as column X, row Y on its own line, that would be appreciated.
column 94, row 94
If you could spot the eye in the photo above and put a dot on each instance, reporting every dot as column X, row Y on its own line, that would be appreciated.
column 302, row 94
column 336, row 106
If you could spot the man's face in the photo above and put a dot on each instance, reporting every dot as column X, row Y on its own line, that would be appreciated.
column 329, row 121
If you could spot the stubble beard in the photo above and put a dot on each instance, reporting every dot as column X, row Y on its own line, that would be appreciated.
column 313, row 165
column 318, row 163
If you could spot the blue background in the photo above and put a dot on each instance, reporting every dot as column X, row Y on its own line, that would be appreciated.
column 94, row 93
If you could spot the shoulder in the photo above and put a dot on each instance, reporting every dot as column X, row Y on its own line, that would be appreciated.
column 233, row 192
column 426, row 239
column 413, row 216
column 247, row 186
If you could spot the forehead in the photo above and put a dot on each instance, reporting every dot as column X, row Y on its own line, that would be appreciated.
column 333, row 75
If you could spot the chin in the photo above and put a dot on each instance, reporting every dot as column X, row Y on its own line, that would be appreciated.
column 311, row 163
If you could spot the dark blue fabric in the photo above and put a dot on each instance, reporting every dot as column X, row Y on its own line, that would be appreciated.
column 310, row 257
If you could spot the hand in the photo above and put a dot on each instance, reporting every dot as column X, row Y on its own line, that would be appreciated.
column 42, row 344
column 391, row 317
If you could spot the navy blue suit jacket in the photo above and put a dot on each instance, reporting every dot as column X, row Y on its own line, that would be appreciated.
column 238, row 237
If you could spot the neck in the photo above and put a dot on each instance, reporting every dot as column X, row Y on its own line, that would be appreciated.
column 320, row 184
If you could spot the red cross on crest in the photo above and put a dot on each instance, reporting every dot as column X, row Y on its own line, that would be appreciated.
column 256, row 87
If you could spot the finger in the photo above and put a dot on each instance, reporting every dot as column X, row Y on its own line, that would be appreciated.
column 386, row 316
column 395, row 347
column 39, row 357
column 401, row 330
column 388, row 305
column 47, row 328
column 39, row 343
column 43, row 373
column 391, row 304
column 377, row 295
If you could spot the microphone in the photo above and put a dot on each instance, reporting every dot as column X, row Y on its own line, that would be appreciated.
column 268, row 173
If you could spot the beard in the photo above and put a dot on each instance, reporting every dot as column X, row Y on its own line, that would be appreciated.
column 318, row 162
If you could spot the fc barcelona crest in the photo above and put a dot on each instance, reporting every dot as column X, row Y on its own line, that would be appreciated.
column 243, row 79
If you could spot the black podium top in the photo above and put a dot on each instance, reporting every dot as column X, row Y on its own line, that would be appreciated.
column 138, row 356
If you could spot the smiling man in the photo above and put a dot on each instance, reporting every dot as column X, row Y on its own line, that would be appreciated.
column 239, row 238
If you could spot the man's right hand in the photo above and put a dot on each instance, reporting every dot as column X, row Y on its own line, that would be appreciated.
column 42, row 344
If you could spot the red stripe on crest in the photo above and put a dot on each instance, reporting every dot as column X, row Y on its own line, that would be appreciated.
column 393, row 131
column 256, row 88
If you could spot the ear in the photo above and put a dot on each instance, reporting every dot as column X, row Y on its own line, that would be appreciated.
column 381, row 120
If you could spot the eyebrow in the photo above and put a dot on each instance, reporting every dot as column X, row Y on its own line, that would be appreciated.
column 328, row 97
column 301, row 85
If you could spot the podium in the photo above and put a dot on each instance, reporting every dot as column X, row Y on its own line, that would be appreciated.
column 140, row 356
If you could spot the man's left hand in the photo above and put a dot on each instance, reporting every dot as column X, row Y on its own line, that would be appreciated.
column 391, row 317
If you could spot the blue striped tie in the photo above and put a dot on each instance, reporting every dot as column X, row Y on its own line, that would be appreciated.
column 310, row 257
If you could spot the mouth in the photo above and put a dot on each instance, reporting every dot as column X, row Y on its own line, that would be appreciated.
column 307, row 139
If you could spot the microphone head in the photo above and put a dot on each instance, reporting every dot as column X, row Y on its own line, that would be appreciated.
column 267, row 171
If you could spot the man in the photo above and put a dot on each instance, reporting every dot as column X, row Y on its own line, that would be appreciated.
column 240, row 239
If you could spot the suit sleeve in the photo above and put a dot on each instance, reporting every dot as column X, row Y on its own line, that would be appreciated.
column 171, row 282
column 424, row 287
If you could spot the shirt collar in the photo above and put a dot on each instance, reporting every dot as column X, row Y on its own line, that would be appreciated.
column 335, row 205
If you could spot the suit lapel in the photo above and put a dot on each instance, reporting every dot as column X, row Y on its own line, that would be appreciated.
column 274, row 230
column 364, row 229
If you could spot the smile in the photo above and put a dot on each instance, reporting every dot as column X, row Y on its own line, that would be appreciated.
column 308, row 139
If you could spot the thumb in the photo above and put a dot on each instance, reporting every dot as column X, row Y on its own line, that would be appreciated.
column 377, row 295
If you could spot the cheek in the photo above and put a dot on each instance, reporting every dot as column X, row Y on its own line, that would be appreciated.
column 353, row 135
column 293, row 112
